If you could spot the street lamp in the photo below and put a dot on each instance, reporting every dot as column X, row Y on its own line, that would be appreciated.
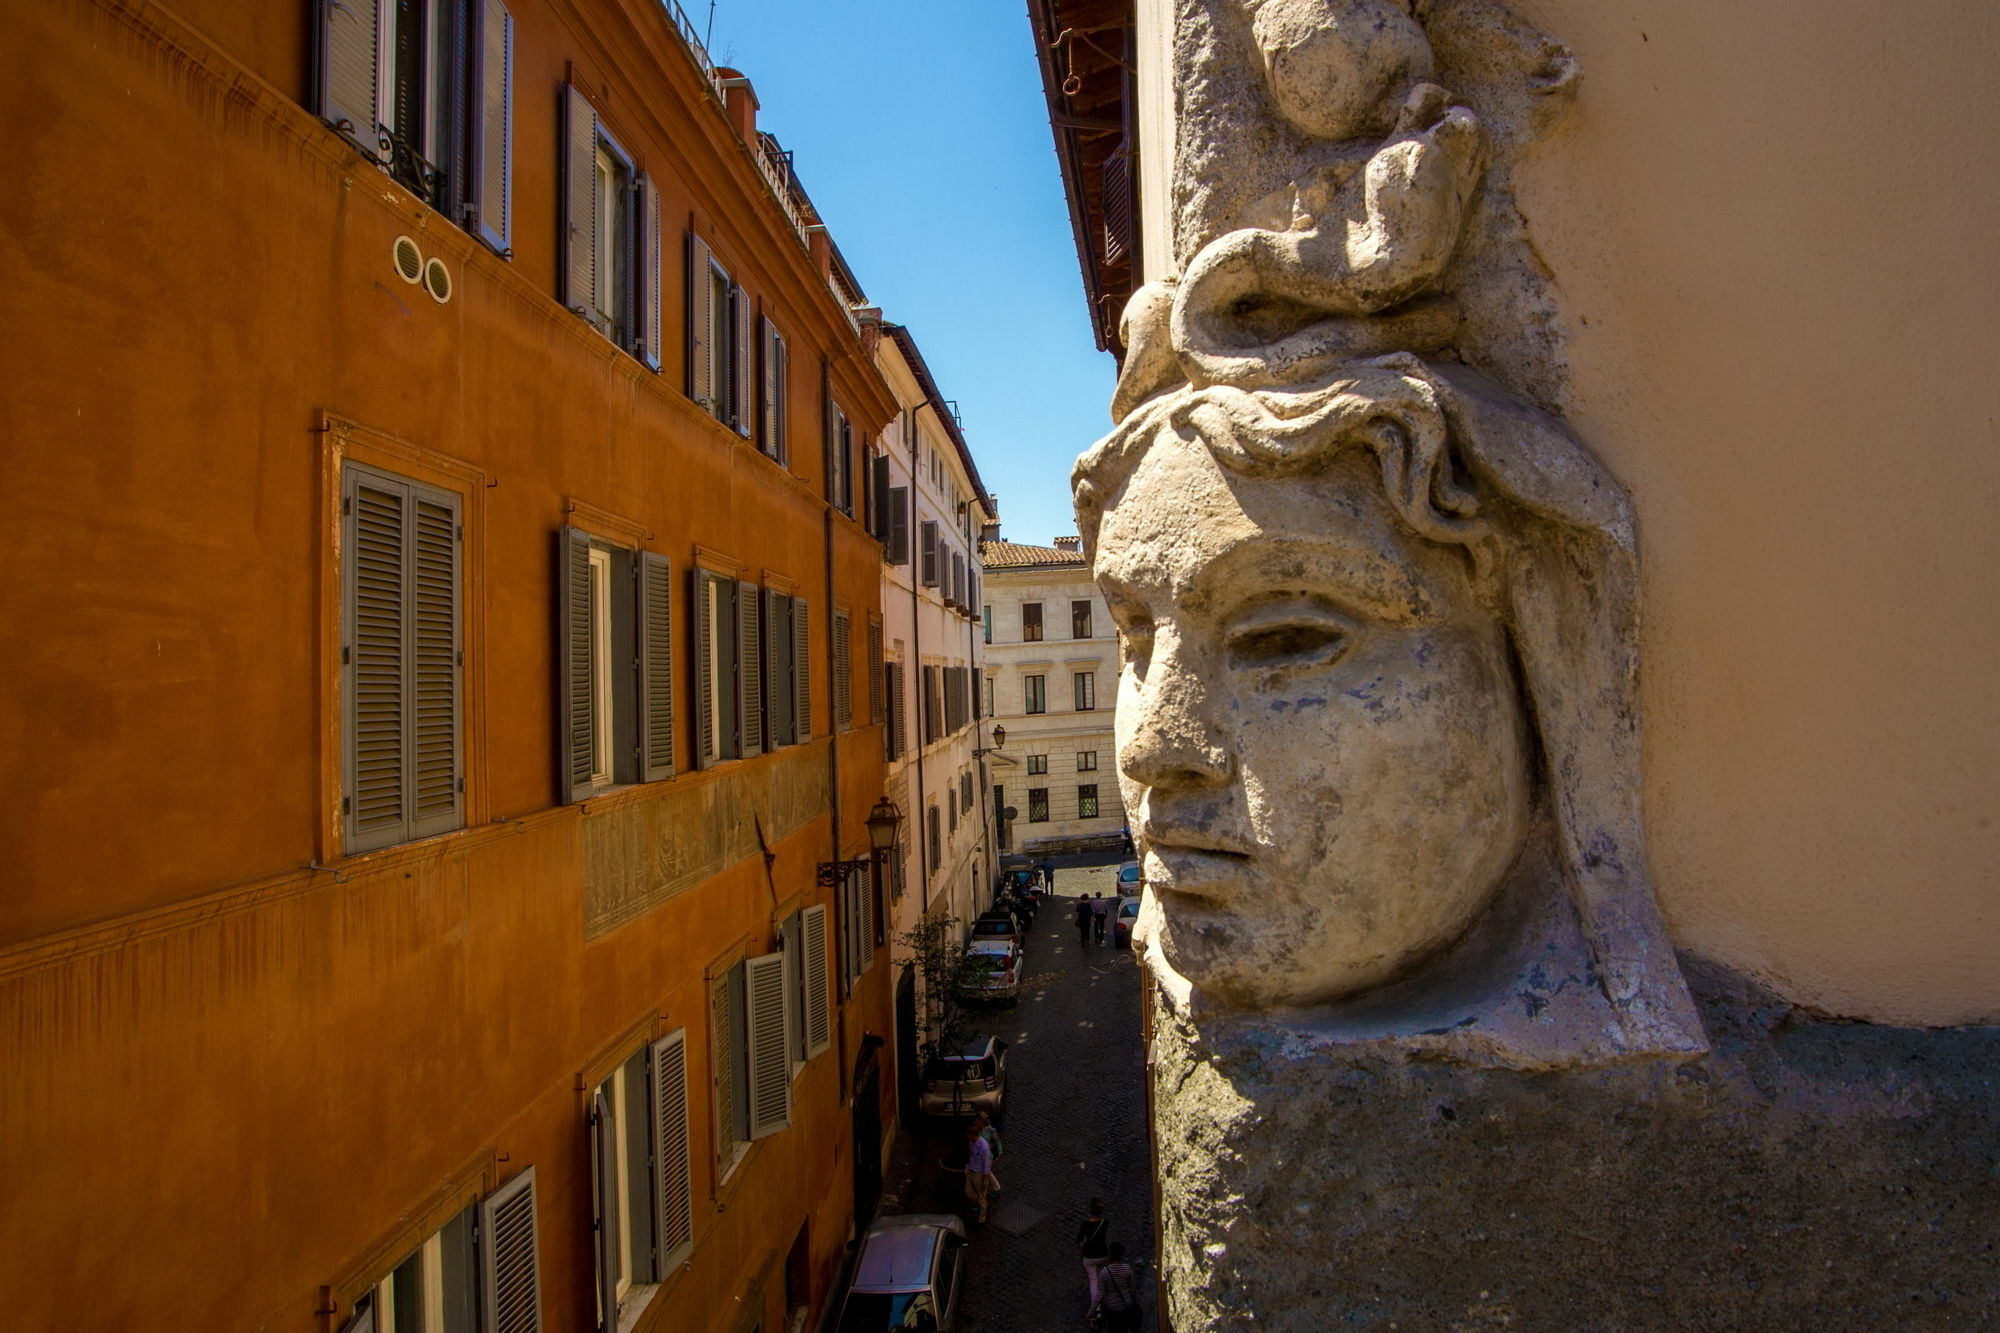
column 882, row 821
column 999, row 736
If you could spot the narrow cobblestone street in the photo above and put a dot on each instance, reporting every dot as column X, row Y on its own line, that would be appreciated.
column 1075, row 1130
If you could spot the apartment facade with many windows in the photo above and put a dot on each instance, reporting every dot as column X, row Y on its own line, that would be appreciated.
column 441, row 564
column 1051, row 679
column 932, row 505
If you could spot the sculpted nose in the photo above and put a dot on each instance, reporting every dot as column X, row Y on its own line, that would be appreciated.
column 1175, row 739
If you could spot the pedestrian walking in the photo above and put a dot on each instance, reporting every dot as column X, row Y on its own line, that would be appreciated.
column 1049, row 874
column 1125, row 840
column 978, row 1169
column 1118, row 1290
column 1100, row 915
column 984, row 1124
column 1085, row 917
column 1093, row 1244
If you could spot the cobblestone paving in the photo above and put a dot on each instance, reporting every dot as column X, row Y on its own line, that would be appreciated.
column 1075, row 1129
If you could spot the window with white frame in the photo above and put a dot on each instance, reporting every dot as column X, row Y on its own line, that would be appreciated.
column 1085, row 683
column 1036, row 691
column 1037, row 764
column 1086, row 761
column 642, row 1176
column 718, row 340
column 751, row 1017
column 434, row 1289
column 611, row 239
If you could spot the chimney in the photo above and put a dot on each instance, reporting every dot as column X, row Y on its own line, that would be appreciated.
column 740, row 100
column 1070, row 544
column 990, row 532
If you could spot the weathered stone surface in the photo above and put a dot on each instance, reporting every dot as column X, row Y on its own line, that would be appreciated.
column 1802, row 1174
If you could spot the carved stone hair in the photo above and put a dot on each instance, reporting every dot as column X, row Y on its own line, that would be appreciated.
column 1551, row 538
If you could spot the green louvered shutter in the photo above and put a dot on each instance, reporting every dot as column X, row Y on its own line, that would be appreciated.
column 579, row 206
column 435, row 655
column 491, row 142
column 656, row 667
column 575, row 674
column 777, row 668
column 510, row 1287
column 703, row 603
column 350, row 58
column 376, row 659
column 673, row 1222
column 651, row 254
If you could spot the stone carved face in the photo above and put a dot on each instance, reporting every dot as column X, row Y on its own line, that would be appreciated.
column 1319, row 731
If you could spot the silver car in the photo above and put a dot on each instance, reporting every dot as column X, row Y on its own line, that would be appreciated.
column 907, row 1276
column 993, row 970
column 972, row 1079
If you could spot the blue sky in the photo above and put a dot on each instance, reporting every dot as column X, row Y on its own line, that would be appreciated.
column 921, row 133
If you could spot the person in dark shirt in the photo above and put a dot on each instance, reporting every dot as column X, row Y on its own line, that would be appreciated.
column 1119, row 1288
column 1093, row 1243
column 1084, row 918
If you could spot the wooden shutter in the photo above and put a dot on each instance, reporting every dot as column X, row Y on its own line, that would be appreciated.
column 701, row 323
column 843, row 671
column 899, row 525
column 510, row 1296
column 927, row 552
column 749, row 676
column 434, row 663
column 646, row 325
column 864, row 904
column 899, row 725
column 376, row 652
column 878, row 499
column 776, row 666
column 673, row 1219
column 782, row 395
column 740, row 398
column 875, row 698
column 363, row 1320
column 767, row 387
column 770, row 1064
column 579, row 174
column 817, row 1007
column 801, row 669
column 401, row 716
column 604, row 1200
column 724, row 1059
column 350, row 71
column 656, row 667
column 703, row 603
column 489, row 194
column 575, row 675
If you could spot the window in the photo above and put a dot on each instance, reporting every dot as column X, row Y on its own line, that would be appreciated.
column 1036, row 688
column 751, row 1009
column 896, row 736
column 610, row 235
column 775, row 401
column 1079, row 619
column 433, row 1290
column 718, row 343
column 951, row 813
column 1086, row 801
column 719, row 640
column 425, row 89
column 1085, row 683
column 804, row 934
column 1038, row 805
column 877, row 699
column 934, row 840
column 1037, row 764
column 615, row 665
column 856, row 902
column 1031, row 622
column 840, row 460
column 401, row 662
column 960, row 594
column 778, row 690
column 642, row 1176
column 986, row 622
column 989, row 696
column 928, row 552
column 965, row 791
column 1086, row 761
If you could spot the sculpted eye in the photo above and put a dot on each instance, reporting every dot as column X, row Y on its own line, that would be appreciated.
column 1311, row 642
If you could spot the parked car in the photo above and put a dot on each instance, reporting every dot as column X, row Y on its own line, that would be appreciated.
column 973, row 1079
column 998, row 924
column 907, row 1276
column 1122, row 923
column 993, row 970
column 1128, row 879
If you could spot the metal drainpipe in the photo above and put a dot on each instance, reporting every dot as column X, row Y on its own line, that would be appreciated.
column 828, row 444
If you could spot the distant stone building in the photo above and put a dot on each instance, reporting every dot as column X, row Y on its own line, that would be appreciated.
column 1051, row 678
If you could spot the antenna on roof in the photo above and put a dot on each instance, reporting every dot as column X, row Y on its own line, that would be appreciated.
column 708, row 38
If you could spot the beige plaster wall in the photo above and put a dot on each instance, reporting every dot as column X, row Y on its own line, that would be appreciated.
column 1772, row 225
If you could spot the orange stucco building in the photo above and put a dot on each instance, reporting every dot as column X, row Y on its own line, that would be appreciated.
column 437, row 589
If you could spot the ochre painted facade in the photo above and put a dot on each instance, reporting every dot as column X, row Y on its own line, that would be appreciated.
column 246, row 1071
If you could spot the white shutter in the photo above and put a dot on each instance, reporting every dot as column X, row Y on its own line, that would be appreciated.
column 818, row 1016
column 491, row 142
column 351, row 36
column 673, row 1222
column 770, row 1064
column 510, row 1295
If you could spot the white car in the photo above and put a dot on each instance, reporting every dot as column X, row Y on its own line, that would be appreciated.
column 993, row 970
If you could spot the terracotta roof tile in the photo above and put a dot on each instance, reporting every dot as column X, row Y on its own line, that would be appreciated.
column 1013, row 555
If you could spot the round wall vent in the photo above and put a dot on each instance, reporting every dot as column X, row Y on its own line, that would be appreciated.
column 437, row 281
column 409, row 260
